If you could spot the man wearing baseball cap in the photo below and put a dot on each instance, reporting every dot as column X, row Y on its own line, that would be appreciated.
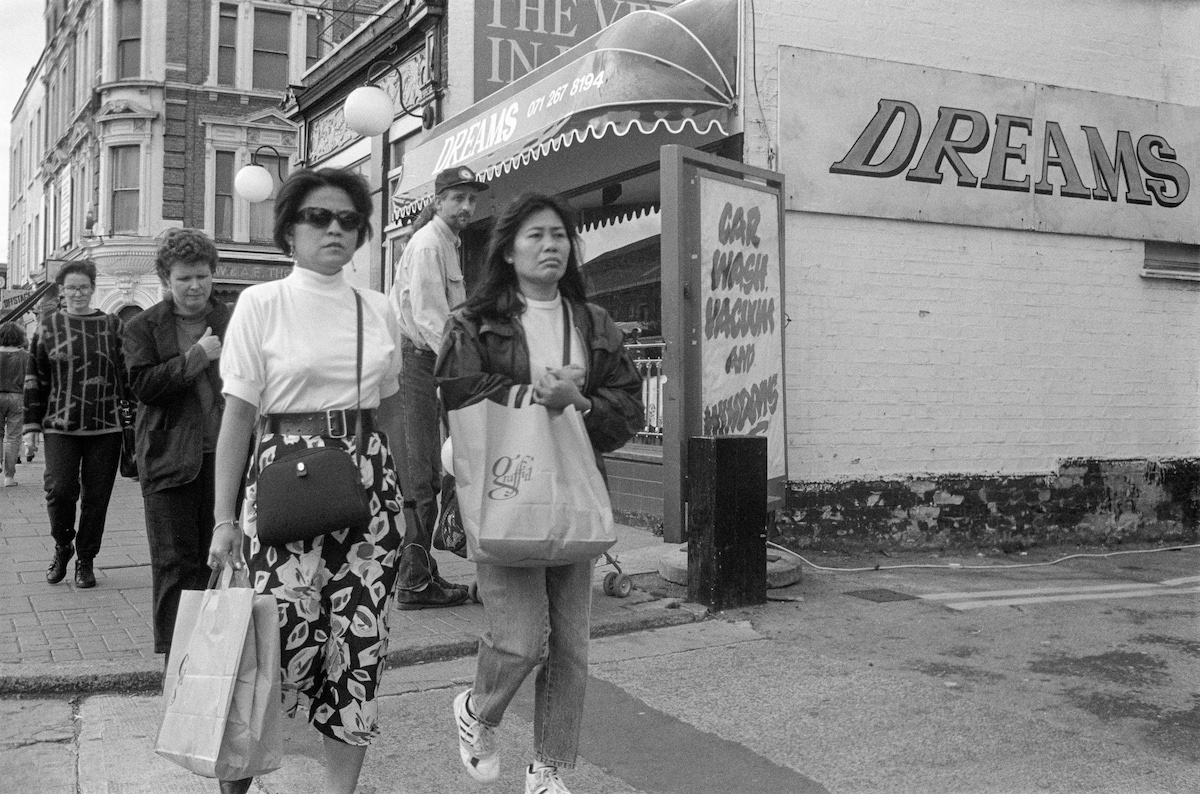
column 428, row 284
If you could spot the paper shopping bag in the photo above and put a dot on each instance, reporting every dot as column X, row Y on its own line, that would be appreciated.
column 221, row 712
column 529, row 492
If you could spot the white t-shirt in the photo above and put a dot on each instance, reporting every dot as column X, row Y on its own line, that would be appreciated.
column 543, row 324
column 291, row 343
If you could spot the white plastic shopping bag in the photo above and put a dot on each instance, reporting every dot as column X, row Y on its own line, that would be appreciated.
column 529, row 491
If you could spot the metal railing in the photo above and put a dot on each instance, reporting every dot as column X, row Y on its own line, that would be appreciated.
column 647, row 357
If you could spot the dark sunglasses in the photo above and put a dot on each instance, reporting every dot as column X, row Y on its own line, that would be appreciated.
column 321, row 218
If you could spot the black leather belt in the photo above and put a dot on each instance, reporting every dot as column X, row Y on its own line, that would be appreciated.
column 336, row 423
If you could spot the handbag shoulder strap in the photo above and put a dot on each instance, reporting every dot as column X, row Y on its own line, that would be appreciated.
column 358, row 356
column 566, row 331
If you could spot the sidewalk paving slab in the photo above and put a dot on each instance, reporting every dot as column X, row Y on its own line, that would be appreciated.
column 57, row 639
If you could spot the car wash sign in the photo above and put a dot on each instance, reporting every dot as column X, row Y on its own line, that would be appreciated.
column 866, row 137
column 741, row 323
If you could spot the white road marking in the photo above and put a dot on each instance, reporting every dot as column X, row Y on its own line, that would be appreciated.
column 1182, row 580
column 1037, row 591
column 1004, row 602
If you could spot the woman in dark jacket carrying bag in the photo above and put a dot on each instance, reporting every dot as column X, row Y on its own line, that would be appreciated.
column 510, row 331
column 172, row 351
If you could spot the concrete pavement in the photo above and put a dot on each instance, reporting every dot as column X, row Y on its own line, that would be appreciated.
column 57, row 638
column 850, row 683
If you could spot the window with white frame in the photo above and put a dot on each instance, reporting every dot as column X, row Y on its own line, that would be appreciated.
column 271, row 38
column 227, row 34
column 313, row 46
column 129, row 39
column 223, row 196
column 262, row 213
column 82, row 73
column 261, row 45
column 125, row 171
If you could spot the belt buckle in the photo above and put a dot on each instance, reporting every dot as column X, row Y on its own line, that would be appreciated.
column 335, row 422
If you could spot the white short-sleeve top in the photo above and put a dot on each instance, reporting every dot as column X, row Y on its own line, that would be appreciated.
column 291, row 344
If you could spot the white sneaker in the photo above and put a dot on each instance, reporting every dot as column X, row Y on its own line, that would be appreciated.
column 476, row 743
column 544, row 780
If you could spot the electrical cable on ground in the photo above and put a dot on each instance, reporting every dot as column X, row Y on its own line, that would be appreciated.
column 960, row 567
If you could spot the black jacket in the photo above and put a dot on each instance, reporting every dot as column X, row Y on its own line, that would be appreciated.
column 481, row 360
column 170, row 422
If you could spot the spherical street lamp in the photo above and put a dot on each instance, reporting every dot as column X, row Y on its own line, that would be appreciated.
column 368, row 109
column 253, row 182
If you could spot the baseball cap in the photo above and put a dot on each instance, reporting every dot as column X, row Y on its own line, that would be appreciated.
column 453, row 177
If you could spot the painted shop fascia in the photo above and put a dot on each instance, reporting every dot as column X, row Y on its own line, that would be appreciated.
column 886, row 148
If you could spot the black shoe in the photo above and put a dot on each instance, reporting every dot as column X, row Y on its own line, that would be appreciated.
column 432, row 596
column 84, row 577
column 58, row 565
column 236, row 786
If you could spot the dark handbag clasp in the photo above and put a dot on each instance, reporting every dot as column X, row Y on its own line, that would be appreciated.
column 335, row 422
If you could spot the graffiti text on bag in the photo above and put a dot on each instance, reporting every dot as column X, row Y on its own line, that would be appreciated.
column 507, row 475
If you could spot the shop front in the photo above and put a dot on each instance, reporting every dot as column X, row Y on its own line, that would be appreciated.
column 993, row 247
column 590, row 125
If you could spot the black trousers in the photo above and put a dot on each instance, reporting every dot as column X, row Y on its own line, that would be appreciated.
column 83, row 469
column 179, row 527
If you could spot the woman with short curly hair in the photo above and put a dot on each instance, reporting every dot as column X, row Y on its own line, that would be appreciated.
column 172, row 350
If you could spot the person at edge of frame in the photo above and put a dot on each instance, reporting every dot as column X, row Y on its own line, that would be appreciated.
column 172, row 351
column 289, row 369
column 428, row 284
column 73, row 389
column 13, row 360
column 510, row 332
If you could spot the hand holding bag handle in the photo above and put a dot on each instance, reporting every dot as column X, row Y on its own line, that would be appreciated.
column 317, row 490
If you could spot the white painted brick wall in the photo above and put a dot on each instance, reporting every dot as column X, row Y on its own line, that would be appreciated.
column 929, row 348
column 925, row 348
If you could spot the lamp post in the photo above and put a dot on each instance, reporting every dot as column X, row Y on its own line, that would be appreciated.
column 368, row 109
column 253, row 182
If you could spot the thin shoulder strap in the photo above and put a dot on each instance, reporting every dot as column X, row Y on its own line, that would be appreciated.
column 358, row 430
column 566, row 331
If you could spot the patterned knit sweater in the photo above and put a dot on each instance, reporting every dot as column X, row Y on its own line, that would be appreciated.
column 77, row 375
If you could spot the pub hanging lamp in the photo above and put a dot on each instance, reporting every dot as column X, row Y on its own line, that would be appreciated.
column 368, row 109
column 253, row 182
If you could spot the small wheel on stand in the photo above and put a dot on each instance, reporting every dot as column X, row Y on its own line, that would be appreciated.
column 610, row 582
column 623, row 586
column 473, row 592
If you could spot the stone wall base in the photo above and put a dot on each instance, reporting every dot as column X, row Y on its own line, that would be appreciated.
column 1089, row 502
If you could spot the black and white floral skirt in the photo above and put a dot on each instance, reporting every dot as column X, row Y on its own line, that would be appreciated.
column 334, row 594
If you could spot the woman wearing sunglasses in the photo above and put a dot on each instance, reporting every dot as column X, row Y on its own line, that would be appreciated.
column 289, row 371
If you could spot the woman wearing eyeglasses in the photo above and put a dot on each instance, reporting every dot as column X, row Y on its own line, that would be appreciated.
column 75, row 383
column 288, row 364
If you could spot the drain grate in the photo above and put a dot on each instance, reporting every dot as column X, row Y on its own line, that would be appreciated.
column 880, row 595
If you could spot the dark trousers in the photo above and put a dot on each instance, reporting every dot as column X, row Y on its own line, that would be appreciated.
column 419, row 461
column 179, row 527
column 83, row 469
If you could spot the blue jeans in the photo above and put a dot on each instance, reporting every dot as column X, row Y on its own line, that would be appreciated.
column 12, row 417
column 179, row 528
column 83, row 469
column 420, row 460
column 536, row 616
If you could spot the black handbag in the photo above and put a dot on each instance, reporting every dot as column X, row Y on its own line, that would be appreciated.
column 448, row 532
column 315, row 490
column 126, row 413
